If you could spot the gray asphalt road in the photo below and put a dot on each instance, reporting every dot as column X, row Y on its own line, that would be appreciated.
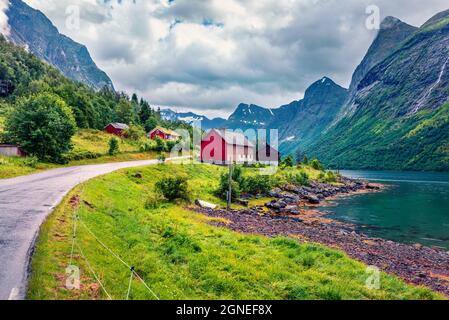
column 25, row 202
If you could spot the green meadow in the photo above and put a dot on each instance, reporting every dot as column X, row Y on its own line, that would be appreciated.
column 180, row 254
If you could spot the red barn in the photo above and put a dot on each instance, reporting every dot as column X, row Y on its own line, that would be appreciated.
column 12, row 150
column 116, row 128
column 164, row 134
column 268, row 155
column 224, row 147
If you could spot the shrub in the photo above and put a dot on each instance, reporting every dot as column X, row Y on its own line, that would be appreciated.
column 75, row 155
column 31, row 162
column 134, row 133
column 300, row 179
column 113, row 146
column 173, row 188
column 288, row 162
column 160, row 145
column 257, row 184
column 223, row 188
column 316, row 164
column 147, row 146
column 43, row 125
column 169, row 145
column 331, row 177
column 161, row 158
column 154, row 200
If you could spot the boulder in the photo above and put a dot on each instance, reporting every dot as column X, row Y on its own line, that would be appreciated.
column 205, row 205
column 313, row 199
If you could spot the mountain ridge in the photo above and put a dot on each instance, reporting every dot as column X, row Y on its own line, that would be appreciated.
column 31, row 29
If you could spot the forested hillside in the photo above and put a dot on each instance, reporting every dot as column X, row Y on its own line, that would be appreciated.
column 36, row 97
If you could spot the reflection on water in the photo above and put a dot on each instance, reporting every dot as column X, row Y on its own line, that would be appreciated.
column 413, row 209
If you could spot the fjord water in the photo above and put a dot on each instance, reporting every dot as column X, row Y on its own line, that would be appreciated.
column 413, row 209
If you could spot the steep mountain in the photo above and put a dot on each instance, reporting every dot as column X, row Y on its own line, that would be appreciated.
column 32, row 30
column 300, row 122
column 250, row 117
column 23, row 75
column 399, row 117
column 191, row 118
column 322, row 102
column 391, row 34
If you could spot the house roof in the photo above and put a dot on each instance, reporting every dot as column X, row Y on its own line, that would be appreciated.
column 234, row 138
column 118, row 125
column 165, row 131
column 9, row 146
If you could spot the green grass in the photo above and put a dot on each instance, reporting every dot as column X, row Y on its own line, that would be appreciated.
column 86, row 140
column 181, row 256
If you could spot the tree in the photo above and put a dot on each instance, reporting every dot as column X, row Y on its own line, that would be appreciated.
column 160, row 144
column 173, row 187
column 43, row 126
column 151, row 123
column 124, row 112
column 134, row 133
column 299, row 156
column 316, row 164
column 288, row 162
column 113, row 146
column 145, row 112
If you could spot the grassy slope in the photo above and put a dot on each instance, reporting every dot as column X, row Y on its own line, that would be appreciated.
column 85, row 140
column 181, row 256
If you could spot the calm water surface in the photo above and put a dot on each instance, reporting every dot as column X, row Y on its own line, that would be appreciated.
column 414, row 208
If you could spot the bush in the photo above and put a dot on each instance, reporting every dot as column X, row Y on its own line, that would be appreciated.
column 134, row 133
column 76, row 155
column 257, row 185
column 147, row 146
column 113, row 146
column 31, row 162
column 316, row 164
column 160, row 144
column 288, row 162
column 173, row 188
column 43, row 125
column 154, row 200
column 331, row 177
column 300, row 179
column 169, row 145
column 161, row 158
column 223, row 188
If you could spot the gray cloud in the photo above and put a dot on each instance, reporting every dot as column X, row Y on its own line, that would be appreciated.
column 209, row 55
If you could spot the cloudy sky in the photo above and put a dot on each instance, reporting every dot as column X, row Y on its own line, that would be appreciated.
column 210, row 55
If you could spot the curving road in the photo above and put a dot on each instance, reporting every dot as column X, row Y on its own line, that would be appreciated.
column 25, row 202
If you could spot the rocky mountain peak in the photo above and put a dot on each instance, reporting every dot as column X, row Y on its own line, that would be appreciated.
column 31, row 29
column 322, row 89
column 390, row 22
column 439, row 17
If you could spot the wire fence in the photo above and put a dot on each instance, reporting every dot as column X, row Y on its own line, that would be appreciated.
column 77, row 222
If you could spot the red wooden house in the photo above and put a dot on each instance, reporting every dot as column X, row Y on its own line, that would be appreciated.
column 164, row 134
column 224, row 147
column 12, row 150
column 117, row 129
column 268, row 155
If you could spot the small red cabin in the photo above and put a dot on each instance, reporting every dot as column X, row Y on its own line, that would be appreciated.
column 164, row 134
column 116, row 128
column 225, row 146
column 12, row 150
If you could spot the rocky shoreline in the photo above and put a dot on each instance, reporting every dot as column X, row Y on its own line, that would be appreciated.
column 290, row 214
